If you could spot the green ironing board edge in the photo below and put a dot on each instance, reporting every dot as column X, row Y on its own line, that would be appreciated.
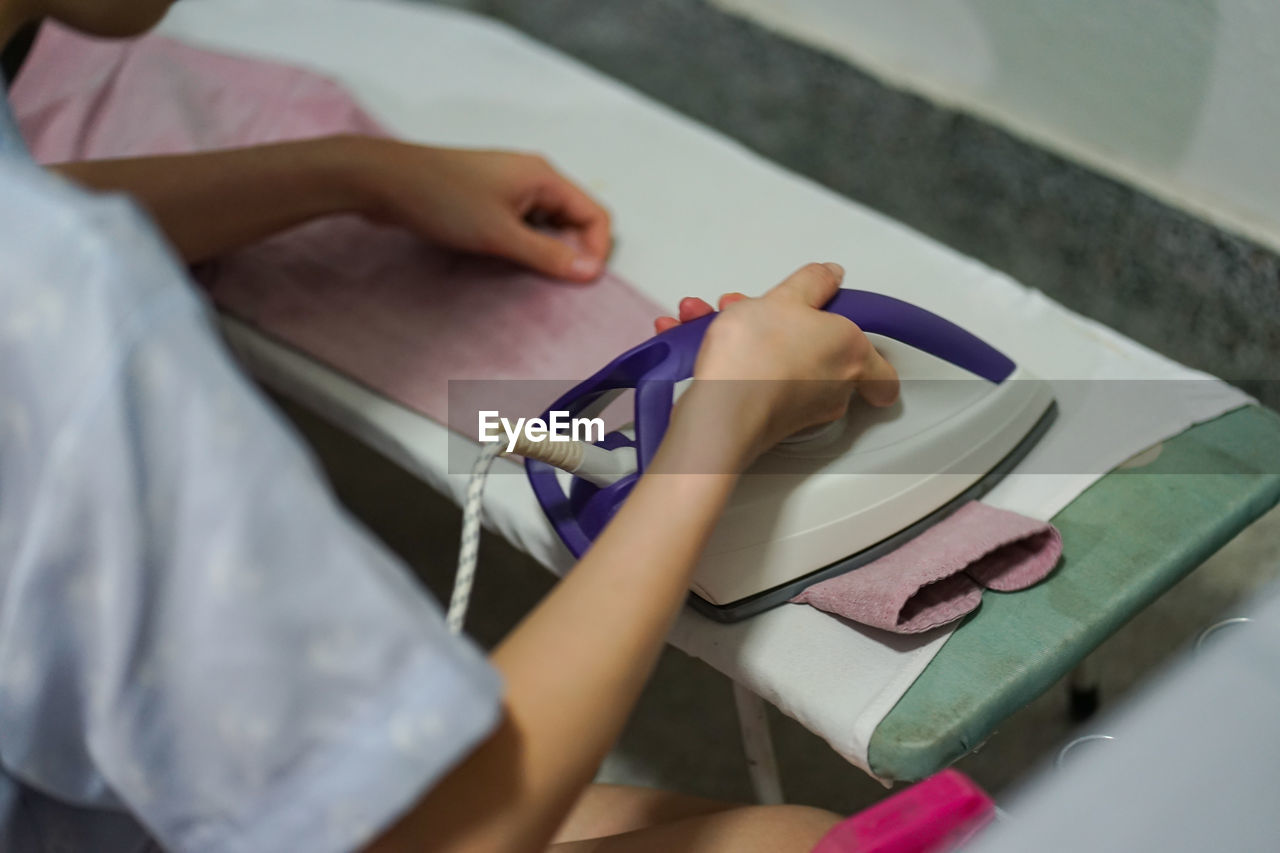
column 1207, row 485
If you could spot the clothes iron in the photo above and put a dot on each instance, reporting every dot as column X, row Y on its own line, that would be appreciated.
column 840, row 496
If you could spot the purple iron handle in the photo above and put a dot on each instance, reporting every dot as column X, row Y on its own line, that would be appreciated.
column 655, row 366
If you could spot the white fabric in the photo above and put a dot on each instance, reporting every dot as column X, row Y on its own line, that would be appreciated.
column 697, row 215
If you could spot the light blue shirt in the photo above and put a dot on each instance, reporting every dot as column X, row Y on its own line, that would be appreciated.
column 197, row 645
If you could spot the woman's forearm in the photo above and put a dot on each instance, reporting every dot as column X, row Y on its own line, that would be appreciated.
column 212, row 202
column 577, row 663
column 484, row 202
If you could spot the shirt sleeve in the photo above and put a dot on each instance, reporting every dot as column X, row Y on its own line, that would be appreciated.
column 190, row 626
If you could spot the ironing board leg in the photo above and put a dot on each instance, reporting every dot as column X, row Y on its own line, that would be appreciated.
column 757, row 745
column 1083, row 691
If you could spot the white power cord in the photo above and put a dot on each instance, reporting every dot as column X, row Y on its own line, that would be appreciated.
column 594, row 464
column 469, row 547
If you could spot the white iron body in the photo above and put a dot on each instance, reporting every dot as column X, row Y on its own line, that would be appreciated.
column 813, row 502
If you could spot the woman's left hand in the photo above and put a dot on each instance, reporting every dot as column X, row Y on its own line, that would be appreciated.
column 491, row 202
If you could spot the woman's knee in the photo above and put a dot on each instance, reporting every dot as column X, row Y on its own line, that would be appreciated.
column 787, row 828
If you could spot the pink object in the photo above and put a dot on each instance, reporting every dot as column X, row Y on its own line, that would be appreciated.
column 401, row 316
column 934, row 579
column 936, row 815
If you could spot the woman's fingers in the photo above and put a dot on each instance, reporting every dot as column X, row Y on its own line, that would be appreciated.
column 691, row 308
column 548, row 254
column 815, row 285
column 812, row 284
column 567, row 205
column 879, row 382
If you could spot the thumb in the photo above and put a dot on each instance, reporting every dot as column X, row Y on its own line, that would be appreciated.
column 549, row 255
column 813, row 284
column 879, row 382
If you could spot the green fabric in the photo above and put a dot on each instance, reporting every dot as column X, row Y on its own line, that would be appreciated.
column 1126, row 540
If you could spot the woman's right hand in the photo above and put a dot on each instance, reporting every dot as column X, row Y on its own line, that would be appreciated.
column 778, row 364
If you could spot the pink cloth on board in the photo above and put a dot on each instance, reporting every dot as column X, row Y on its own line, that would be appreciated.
column 378, row 304
column 937, row 577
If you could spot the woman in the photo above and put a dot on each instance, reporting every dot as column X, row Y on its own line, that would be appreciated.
column 198, row 648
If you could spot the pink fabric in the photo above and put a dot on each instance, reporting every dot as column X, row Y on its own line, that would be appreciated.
column 937, row 577
column 403, row 317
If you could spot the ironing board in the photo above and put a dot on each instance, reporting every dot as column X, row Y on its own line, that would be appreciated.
column 776, row 218
column 1127, row 539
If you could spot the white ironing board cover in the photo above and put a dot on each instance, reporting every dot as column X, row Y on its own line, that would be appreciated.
column 696, row 214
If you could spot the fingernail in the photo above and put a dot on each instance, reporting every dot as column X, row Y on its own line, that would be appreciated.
column 585, row 267
column 835, row 268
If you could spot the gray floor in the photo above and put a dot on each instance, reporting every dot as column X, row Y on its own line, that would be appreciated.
column 1177, row 284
